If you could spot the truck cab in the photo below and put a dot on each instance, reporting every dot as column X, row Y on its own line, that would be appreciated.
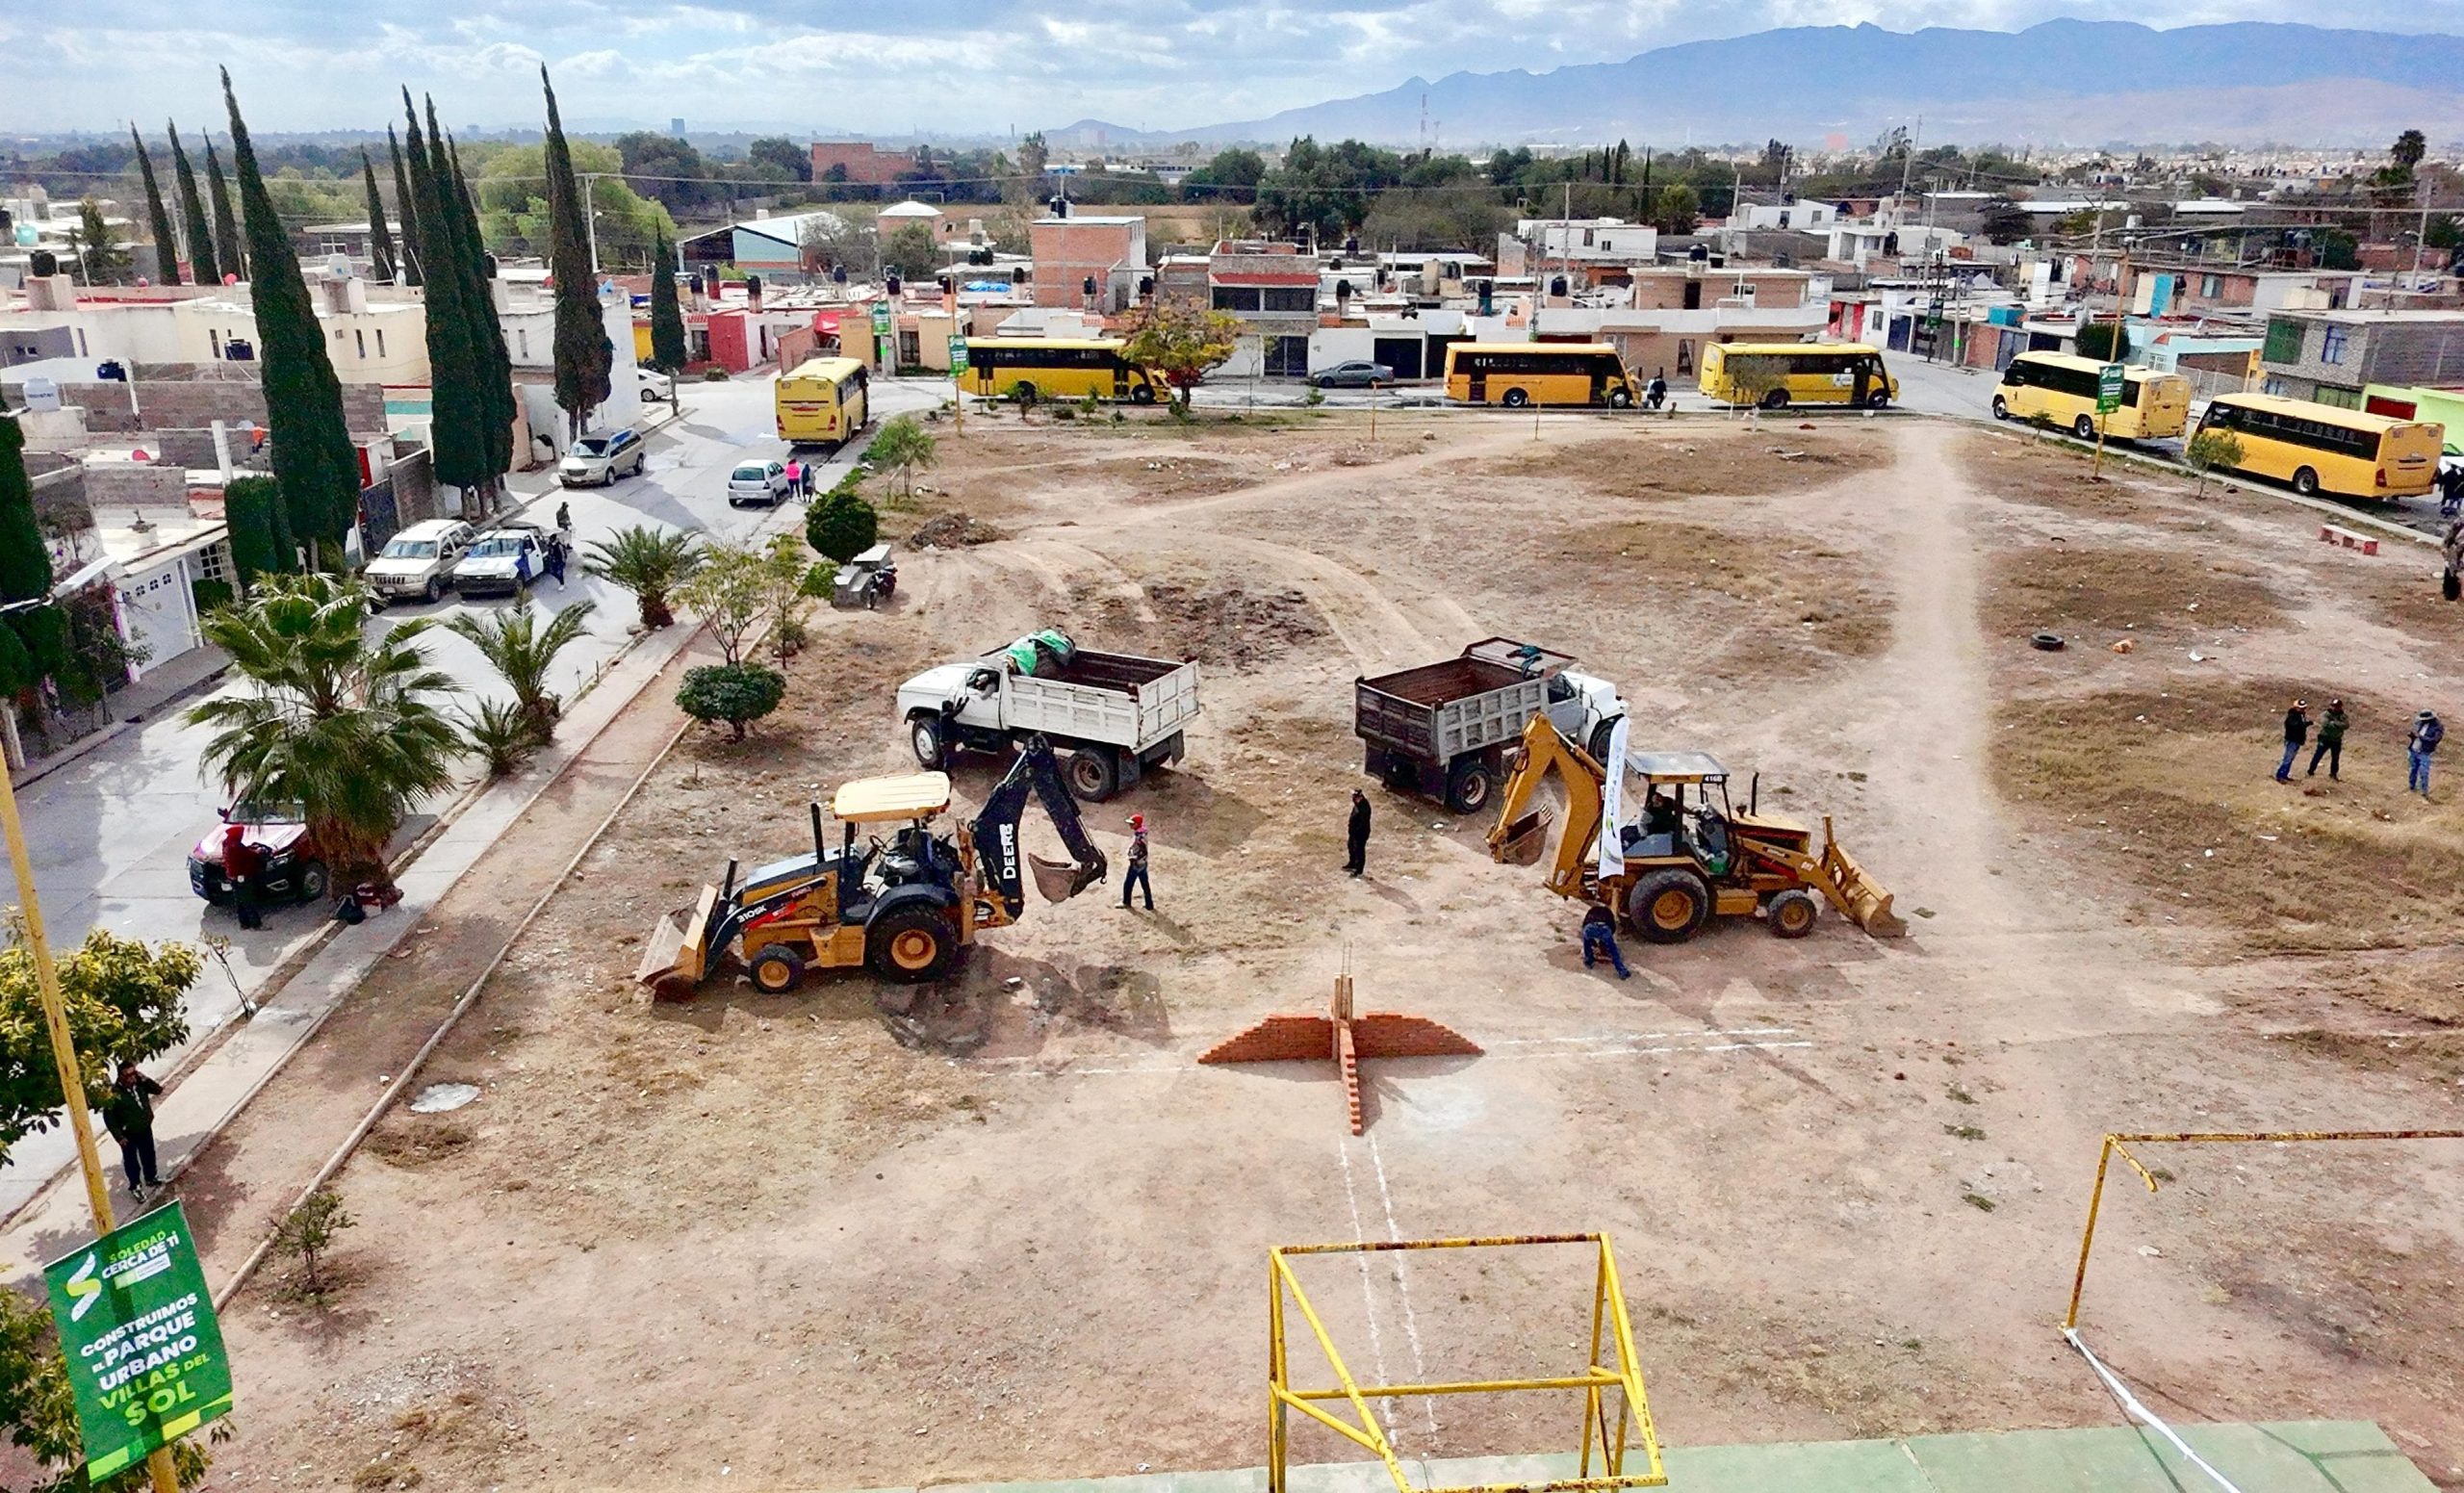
column 1583, row 708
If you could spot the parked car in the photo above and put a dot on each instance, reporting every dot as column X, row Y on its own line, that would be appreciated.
column 599, row 460
column 295, row 864
column 764, row 482
column 505, row 559
column 1355, row 374
column 419, row 561
column 651, row 386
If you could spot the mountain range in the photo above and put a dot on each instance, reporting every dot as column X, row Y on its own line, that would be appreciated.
column 2059, row 83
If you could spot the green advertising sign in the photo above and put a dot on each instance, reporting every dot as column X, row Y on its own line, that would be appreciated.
column 2108, row 388
column 137, row 1328
column 958, row 354
column 880, row 319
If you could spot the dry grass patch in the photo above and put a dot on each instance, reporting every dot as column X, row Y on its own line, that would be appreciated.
column 408, row 1140
column 2116, row 591
column 1776, row 458
column 2053, row 475
column 1227, row 623
column 1788, row 605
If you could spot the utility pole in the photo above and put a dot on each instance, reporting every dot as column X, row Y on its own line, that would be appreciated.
column 590, row 216
column 2121, row 279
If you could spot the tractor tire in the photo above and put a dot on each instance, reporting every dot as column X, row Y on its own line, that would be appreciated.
column 1467, row 787
column 2084, row 429
column 1093, row 775
column 1792, row 913
column 912, row 945
column 2001, row 408
column 778, row 969
column 924, row 736
column 1669, row 907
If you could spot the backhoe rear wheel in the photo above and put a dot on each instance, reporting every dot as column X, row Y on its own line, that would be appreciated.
column 912, row 945
column 1668, row 906
column 1792, row 913
column 778, row 969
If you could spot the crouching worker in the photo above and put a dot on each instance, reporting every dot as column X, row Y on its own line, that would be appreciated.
column 1599, row 941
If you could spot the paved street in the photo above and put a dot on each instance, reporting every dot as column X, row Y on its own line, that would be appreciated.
column 111, row 831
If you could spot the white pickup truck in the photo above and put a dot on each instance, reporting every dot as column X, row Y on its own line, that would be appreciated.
column 1116, row 716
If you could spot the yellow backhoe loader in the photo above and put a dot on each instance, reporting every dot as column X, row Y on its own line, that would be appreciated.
column 1689, row 856
column 905, row 907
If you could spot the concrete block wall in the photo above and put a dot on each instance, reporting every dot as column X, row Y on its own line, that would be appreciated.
column 180, row 405
column 112, row 486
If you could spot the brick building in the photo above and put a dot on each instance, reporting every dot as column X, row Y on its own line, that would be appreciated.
column 857, row 161
column 1070, row 251
column 2332, row 356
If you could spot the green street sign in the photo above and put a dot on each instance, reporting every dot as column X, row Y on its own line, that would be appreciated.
column 958, row 354
column 137, row 1328
column 2108, row 388
column 881, row 320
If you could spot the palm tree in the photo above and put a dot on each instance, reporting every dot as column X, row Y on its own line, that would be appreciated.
column 521, row 651
column 347, row 729
column 648, row 562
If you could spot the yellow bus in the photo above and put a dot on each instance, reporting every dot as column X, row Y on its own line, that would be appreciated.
column 823, row 401
column 1520, row 374
column 2319, row 447
column 1057, row 367
column 1804, row 373
column 2063, row 389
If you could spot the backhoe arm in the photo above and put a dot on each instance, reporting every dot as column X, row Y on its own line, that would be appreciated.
column 996, row 833
column 1545, row 750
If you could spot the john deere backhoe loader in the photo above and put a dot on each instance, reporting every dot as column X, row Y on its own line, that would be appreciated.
column 905, row 906
column 1689, row 856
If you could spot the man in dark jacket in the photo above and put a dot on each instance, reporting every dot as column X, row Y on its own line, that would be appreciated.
column 246, row 865
column 2297, row 733
column 2428, row 733
column 2331, row 742
column 1599, row 941
column 129, row 1116
column 1356, row 838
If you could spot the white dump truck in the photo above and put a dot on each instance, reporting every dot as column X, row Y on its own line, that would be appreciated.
column 1116, row 716
column 1443, row 730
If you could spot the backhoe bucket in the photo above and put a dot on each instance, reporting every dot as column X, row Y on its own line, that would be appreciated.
column 676, row 956
column 1059, row 881
column 1858, row 896
column 1525, row 839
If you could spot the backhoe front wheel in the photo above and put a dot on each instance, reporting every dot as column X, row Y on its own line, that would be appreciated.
column 1668, row 906
column 1792, row 913
column 778, row 969
column 913, row 945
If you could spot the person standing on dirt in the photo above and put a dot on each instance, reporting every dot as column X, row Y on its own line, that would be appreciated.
column 1599, row 941
column 1136, row 875
column 1357, row 837
column 2331, row 742
column 129, row 1116
column 2427, row 733
column 2296, row 733
column 246, row 866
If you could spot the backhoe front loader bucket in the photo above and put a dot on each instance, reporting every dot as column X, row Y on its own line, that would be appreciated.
column 1525, row 839
column 677, row 954
column 1059, row 881
column 1860, row 898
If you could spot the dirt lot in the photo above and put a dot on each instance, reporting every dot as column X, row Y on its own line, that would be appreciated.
column 1014, row 1231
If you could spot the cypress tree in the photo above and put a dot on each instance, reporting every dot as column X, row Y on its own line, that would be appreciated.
column 261, row 541
column 667, row 319
column 25, row 564
column 407, row 205
column 158, row 217
column 583, row 357
column 313, row 458
column 380, row 239
column 458, row 423
column 202, row 268
column 230, row 253
column 487, row 338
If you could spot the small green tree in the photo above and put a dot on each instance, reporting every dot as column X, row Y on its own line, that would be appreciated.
column 25, row 563
column 98, row 251
column 158, row 217
column 306, row 1233
column 1677, row 210
column 2107, row 341
column 736, row 693
column 842, row 526
column 1181, row 340
column 668, row 350
column 912, row 252
column 1752, row 381
column 502, row 736
column 902, row 446
column 729, row 592
column 261, row 541
column 784, row 602
column 521, row 653
column 2210, row 451
column 124, row 1003
column 649, row 562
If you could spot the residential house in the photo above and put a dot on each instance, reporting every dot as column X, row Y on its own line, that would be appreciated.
column 1090, row 262
column 857, row 161
column 2333, row 356
column 1272, row 289
column 771, row 246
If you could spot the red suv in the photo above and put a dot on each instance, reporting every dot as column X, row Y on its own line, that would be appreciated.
column 295, row 866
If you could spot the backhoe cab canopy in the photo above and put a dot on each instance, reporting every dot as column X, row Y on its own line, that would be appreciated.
column 907, row 795
column 1675, row 767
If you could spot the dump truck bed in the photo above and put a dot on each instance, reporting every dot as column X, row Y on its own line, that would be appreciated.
column 1119, row 699
column 1439, row 712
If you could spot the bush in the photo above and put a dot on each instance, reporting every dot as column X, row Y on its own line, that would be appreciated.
column 731, row 692
column 821, row 580
column 714, row 376
column 211, row 594
column 306, row 1232
column 503, row 736
column 1314, row 398
column 842, row 526
column 1064, row 412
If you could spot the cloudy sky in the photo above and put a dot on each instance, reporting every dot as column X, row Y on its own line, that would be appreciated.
column 946, row 66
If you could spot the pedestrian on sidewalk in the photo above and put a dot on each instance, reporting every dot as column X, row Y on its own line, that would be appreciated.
column 813, row 477
column 795, row 476
column 2297, row 733
column 1599, row 941
column 129, row 1116
column 2427, row 733
column 2331, row 742
column 1137, row 876
column 245, row 865
column 564, row 518
column 1356, row 838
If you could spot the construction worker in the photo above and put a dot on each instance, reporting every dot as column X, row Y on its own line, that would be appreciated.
column 2427, row 733
column 1356, row 838
column 2296, row 733
column 129, row 1116
column 2331, row 742
column 1599, row 937
column 1136, row 875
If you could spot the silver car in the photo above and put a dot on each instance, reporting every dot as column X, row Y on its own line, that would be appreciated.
column 418, row 563
column 599, row 460
column 764, row 482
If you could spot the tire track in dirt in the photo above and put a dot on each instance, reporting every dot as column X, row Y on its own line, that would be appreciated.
column 1370, row 624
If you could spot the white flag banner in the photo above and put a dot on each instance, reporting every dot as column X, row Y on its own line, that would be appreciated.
column 1612, row 803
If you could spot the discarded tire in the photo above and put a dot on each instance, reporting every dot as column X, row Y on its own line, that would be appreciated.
column 2047, row 643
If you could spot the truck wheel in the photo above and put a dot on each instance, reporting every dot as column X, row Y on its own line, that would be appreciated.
column 1668, row 906
column 1093, row 775
column 912, row 945
column 778, row 969
column 1792, row 913
column 1468, row 785
column 1601, row 734
column 924, row 735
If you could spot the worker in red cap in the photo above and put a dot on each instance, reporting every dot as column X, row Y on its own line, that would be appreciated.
column 1137, row 876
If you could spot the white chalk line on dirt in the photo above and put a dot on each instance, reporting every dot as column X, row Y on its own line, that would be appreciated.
column 1402, row 1287
column 1368, row 1297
